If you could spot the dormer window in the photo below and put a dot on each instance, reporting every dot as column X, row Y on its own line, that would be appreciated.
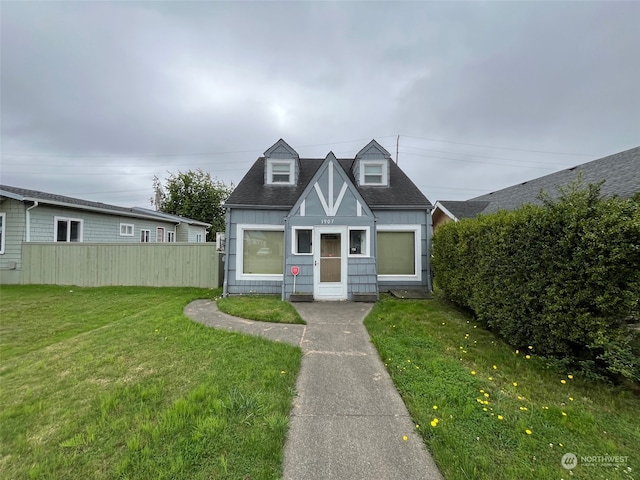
column 280, row 172
column 373, row 172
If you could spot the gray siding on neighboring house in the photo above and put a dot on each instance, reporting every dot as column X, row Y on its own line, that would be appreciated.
column 254, row 217
column 97, row 227
column 13, row 231
column 189, row 233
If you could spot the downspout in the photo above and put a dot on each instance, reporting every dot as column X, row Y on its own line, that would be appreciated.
column 225, row 258
column 27, row 220
column 283, row 295
column 175, row 232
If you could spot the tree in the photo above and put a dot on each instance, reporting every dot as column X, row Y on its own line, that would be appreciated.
column 196, row 195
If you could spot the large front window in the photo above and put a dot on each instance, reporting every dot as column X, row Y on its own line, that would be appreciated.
column 399, row 254
column 67, row 229
column 262, row 252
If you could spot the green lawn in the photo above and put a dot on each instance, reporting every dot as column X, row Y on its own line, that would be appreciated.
column 486, row 411
column 118, row 383
column 266, row 308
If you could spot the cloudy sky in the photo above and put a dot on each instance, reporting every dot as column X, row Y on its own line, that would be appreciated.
column 98, row 97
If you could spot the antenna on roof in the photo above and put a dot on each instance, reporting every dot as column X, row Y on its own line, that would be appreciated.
column 397, row 145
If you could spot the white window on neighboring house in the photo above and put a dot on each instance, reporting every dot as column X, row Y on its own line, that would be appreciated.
column 399, row 252
column 160, row 234
column 171, row 237
column 358, row 241
column 302, row 241
column 67, row 229
column 145, row 236
column 126, row 230
column 373, row 172
column 3, row 220
column 198, row 238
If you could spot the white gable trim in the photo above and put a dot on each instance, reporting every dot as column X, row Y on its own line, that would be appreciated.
column 446, row 212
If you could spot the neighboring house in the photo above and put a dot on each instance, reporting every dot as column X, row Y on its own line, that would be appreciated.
column 32, row 216
column 620, row 173
column 351, row 228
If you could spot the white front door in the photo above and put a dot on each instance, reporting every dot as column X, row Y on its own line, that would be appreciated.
column 330, row 263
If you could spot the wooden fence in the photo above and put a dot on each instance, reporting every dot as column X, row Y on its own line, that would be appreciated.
column 134, row 264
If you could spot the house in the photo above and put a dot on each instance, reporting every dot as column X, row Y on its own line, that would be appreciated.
column 33, row 216
column 334, row 229
column 620, row 173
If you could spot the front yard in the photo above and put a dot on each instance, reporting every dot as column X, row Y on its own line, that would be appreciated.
column 486, row 411
column 118, row 383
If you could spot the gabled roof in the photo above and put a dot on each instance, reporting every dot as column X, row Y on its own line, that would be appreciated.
column 252, row 192
column 461, row 209
column 620, row 172
column 23, row 194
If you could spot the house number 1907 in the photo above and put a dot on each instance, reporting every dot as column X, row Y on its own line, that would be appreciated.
column 327, row 221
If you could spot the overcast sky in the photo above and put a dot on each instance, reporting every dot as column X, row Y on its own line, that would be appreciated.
column 98, row 97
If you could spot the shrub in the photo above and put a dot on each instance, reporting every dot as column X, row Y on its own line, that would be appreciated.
column 563, row 277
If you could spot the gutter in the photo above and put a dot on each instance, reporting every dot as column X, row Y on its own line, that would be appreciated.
column 27, row 220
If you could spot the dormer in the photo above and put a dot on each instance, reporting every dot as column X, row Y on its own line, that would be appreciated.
column 281, row 165
column 371, row 168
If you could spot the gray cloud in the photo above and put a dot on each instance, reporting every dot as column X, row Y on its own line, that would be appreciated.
column 103, row 93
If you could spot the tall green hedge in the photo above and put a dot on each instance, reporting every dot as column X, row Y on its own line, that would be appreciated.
column 563, row 277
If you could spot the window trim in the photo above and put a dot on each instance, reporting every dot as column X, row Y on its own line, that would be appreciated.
column 148, row 235
column 3, row 232
column 367, row 243
column 294, row 240
column 280, row 161
column 384, row 168
column 161, row 237
column 417, row 236
column 171, row 236
column 127, row 226
column 239, row 252
column 57, row 219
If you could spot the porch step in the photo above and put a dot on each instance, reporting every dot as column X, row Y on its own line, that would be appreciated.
column 365, row 297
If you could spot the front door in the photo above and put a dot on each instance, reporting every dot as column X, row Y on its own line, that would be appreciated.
column 330, row 263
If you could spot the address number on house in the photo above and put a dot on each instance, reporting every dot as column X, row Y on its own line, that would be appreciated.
column 327, row 221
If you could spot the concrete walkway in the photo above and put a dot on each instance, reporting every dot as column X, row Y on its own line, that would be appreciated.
column 348, row 421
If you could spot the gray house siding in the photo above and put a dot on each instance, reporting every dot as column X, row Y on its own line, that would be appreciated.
column 13, row 232
column 96, row 227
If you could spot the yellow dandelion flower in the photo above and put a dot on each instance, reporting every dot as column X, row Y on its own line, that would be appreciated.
column 570, row 377
column 486, row 394
column 560, row 445
column 530, row 347
column 405, row 438
column 520, row 397
column 417, row 426
column 434, row 423
column 473, row 372
column 435, row 407
column 563, row 381
column 495, row 367
column 571, row 399
column 564, row 414
column 481, row 390
column 283, row 372
column 528, row 432
column 490, row 378
column 500, row 417
column 527, row 357
column 485, row 409
column 515, row 384
column 517, row 352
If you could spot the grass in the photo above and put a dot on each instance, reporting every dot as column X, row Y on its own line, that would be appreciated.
column 266, row 308
column 118, row 383
column 486, row 411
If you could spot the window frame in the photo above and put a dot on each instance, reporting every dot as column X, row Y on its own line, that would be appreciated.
column 171, row 236
column 80, row 221
column 294, row 240
column 417, row 239
column 160, row 238
column 384, row 179
column 367, row 242
column 3, row 232
column 239, row 252
column 148, row 235
column 127, row 226
column 280, row 161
